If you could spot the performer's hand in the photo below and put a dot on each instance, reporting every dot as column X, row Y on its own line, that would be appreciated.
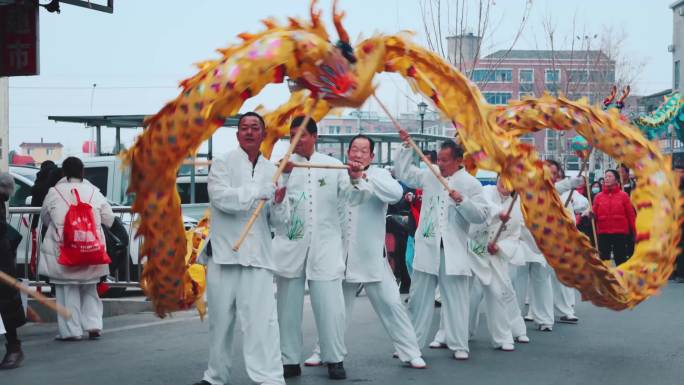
column 355, row 169
column 288, row 167
column 279, row 195
column 456, row 196
column 504, row 217
column 404, row 136
column 492, row 248
column 266, row 191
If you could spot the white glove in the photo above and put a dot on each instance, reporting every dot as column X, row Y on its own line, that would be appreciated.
column 266, row 191
column 576, row 181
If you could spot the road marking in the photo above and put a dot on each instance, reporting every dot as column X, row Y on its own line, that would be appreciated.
column 123, row 328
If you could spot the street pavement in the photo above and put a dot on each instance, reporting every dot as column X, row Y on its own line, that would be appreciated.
column 640, row 347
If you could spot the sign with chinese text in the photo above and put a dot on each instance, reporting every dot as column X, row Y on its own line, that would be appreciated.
column 19, row 39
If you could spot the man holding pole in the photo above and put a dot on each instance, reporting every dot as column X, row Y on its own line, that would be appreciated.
column 240, row 283
column 494, row 244
column 363, row 239
column 441, row 255
column 309, row 248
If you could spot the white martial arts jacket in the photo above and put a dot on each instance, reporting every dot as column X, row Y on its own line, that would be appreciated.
column 508, row 242
column 442, row 220
column 364, row 228
column 233, row 187
column 310, row 238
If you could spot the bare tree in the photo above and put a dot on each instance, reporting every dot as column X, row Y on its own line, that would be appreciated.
column 446, row 18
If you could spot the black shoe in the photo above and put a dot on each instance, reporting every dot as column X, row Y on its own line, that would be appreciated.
column 290, row 371
column 203, row 382
column 568, row 320
column 13, row 358
column 438, row 303
column 336, row 371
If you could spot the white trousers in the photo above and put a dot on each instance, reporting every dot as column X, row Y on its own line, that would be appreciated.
column 504, row 320
column 2, row 327
column 455, row 291
column 533, row 280
column 327, row 302
column 563, row 298
column 236, row 292
column 386, row 301
column 85, row 306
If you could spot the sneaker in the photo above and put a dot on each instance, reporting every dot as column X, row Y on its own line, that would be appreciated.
column 461, row 355
column 418, row 363
column 336, row 371
column 545, row 328
column 528, row 319
column 395, row 355
column 507, row 347
column 523, row 339
column 314, row 360
column 292, row 370
column 568, row 320
column 437, row 345
column 67, row 339
column 203, row 382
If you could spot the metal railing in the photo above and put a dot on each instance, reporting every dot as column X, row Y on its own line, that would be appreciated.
column 126, row 275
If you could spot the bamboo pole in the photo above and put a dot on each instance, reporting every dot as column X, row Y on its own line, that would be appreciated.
column 324, row 166
column 591, row 212
column 279, row 171
column 414, row 146
column 11, row 281
column 508, row 214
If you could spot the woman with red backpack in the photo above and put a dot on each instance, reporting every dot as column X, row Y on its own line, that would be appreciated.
column 73, row 253
column 614, row 219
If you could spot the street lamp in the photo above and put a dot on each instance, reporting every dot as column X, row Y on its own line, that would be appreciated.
column 422, row 109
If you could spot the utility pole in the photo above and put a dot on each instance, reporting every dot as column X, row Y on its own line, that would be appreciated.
column 4, row 124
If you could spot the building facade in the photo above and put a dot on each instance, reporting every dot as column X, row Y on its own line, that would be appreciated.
column 509, row 75
column 42, row 151
column 677, row 46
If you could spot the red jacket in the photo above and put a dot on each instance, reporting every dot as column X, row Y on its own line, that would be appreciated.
column 614, row 212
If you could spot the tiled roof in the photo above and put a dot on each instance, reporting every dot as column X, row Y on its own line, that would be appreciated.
column 547, row 55
column 41, row 144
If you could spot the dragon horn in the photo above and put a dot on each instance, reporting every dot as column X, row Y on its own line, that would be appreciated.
column 625, row 93
column 337, row 20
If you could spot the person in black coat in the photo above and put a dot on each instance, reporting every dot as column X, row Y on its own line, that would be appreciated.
column 11, row 309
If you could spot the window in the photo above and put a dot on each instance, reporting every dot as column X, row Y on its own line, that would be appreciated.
column 577, row 76
column 676, row 74
column 526, row 76
column 201, row 192
column 523, row 95
column 551, row 76
column 21, row 192
column 98, row 176
column 485, row 76
column 602, row 76
column 28, row 151
column 527, row 138
column 572, row 162
column 526, row 87
column 550, row 141
column 497, row 97
column 48, row 151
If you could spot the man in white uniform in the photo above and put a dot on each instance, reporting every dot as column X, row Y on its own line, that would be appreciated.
column 364, row 238
column 441, row 255
column 563, row 296
column 309, row 248
column 240, row 284
column 493, row 283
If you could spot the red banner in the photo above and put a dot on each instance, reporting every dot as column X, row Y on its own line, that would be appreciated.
column 19, row 39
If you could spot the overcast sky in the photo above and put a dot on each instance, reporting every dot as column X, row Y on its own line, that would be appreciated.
column 137, row 55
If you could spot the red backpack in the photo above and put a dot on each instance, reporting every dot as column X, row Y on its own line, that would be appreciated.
column 81, row 244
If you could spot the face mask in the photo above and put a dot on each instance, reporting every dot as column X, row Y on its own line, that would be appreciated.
column 595, row 190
